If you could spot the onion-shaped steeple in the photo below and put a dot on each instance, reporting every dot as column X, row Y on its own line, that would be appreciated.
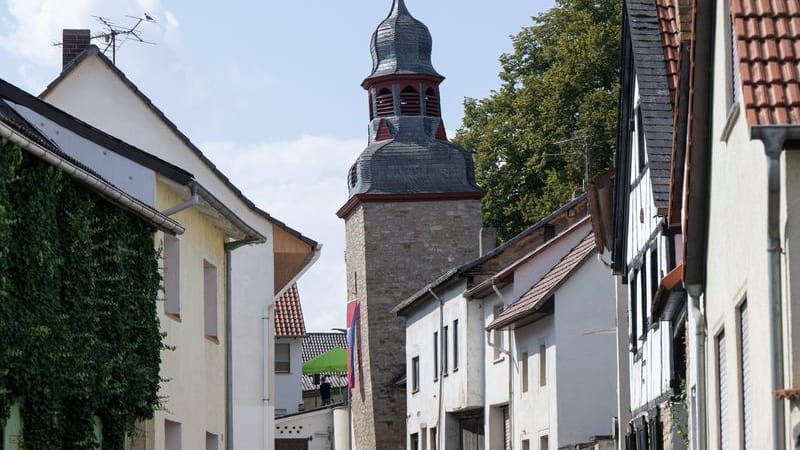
column 401, row 45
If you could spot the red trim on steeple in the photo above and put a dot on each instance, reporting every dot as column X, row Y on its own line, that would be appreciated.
column 383, row 131
column 441, row 134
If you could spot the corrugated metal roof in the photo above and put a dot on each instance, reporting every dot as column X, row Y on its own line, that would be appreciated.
column 768, row 46
column 289, row 314
column 538, row 295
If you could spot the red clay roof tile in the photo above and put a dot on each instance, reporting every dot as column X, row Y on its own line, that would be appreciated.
column 768, row 44
column 289, row 314
column 670, row 39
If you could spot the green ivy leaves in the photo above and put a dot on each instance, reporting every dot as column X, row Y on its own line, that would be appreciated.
column 78, row 325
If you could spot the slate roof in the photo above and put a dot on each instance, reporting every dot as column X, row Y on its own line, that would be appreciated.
column 654, row 92
column 92, row 50
column 401, row 45
column 768, row 46
column 289, row 314
column 538, row 295
column 315, row 344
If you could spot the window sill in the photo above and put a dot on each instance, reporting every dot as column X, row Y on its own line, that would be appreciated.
column 444, row 375
column 213, row 339
column 499, row 360
column 173, row 316
column 455, row 370
column 733, row 114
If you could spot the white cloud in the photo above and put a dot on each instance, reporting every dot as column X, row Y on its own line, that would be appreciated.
column 303, row 183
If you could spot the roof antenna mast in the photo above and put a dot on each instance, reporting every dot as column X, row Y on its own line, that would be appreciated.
column 111, row 31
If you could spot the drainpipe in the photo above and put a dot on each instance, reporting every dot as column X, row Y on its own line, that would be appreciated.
column 774, row 138
column 510, row 369
column 441, row 431
column 697, row 330
column 193, row 200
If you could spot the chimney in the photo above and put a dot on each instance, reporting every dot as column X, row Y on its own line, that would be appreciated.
column 488, row 240
column 73, row 43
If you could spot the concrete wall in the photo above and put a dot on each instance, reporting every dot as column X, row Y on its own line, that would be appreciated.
column 392, row 250
column 316, row 426
column 496, row 373
column 94, row 94
column 289, row 386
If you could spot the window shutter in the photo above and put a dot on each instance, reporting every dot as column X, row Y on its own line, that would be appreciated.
column 722, row 380
column 747, row 401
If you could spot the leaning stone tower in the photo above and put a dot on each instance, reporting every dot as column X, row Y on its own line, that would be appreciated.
column 413, row 213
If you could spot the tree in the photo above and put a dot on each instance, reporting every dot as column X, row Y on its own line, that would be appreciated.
column 558, row 99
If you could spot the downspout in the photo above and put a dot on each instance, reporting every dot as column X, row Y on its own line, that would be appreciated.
column 441, row 431
column 510, row 369
column 267, row 356
column 193, row 200
column 697, row 330
column 774, row 138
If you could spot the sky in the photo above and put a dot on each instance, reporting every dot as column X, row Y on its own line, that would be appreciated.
column 271, row 90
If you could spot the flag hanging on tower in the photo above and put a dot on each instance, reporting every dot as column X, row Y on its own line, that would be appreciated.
column 352, row 320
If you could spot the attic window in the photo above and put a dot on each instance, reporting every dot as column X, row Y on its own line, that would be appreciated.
column 352, row 177
column 385, row 105
column 432, row 107
column 410, row 102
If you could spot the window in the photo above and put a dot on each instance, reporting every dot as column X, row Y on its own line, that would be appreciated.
column 433, row 439
column 733, row 77
column 744, row 357
column 410, row 102
column 549, row 232
column 722, row 392
column 655, row 276
column 644, row 299
column 172, row 435
column 444, row 351
column 210, row 298
column 212, row 441
column 435, row 355
column 423, row 431
column 544, row 442
column 455, row 345
column 542, row 364
column 633, row 318
column 414, row 441
column 432, row 107
column 640, row 142
column 172, row 276
column 282, row 358
column 498, row 334
column 524, row 369
column 415, row 374
column 384, row 103
column 526, row 444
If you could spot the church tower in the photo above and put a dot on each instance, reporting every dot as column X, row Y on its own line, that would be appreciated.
column 413, row 213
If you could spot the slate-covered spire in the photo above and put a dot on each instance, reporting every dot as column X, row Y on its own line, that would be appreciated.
column 401, row 45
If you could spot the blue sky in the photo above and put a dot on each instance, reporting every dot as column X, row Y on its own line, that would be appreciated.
column 271, row 90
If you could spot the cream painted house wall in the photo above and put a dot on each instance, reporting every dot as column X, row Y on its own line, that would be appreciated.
column 121, row 112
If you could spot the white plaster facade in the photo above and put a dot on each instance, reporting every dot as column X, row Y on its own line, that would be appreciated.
column 575, row 400
column 316, row 427
column 123, row 112
column 288, row 385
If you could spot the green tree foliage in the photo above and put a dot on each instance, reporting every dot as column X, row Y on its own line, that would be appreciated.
column 560, row 82
column 78, row 326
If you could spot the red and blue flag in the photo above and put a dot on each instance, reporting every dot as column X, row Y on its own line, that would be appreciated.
column 352, row 320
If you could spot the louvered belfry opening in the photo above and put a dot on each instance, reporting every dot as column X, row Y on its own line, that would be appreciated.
column 384, row 103
column 432, row 107
column 410, row 104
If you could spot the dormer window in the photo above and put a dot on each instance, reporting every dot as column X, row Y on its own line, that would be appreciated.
column 384, row 103
column 410, row 102
column 352, row 177
column 432, row 107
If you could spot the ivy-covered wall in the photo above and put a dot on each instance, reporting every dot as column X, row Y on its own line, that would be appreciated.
column 79, row 334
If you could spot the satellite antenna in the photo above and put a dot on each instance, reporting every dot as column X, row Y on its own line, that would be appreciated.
column 111, row 32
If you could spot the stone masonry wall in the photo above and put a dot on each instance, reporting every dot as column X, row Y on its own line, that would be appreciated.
column 393, row 250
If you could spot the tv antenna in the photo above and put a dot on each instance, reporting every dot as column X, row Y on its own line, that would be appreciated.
column 115, row 36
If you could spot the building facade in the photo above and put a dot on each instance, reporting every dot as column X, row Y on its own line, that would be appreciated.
column 413, row 212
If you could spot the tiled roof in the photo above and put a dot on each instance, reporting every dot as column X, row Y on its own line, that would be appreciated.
column 289, row 314
column 654, row 91
column 538, row 295
column 315, row 344
column 670, row 39
column 768, row 46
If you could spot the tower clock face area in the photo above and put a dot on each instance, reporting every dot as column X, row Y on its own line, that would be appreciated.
column 413, row 213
